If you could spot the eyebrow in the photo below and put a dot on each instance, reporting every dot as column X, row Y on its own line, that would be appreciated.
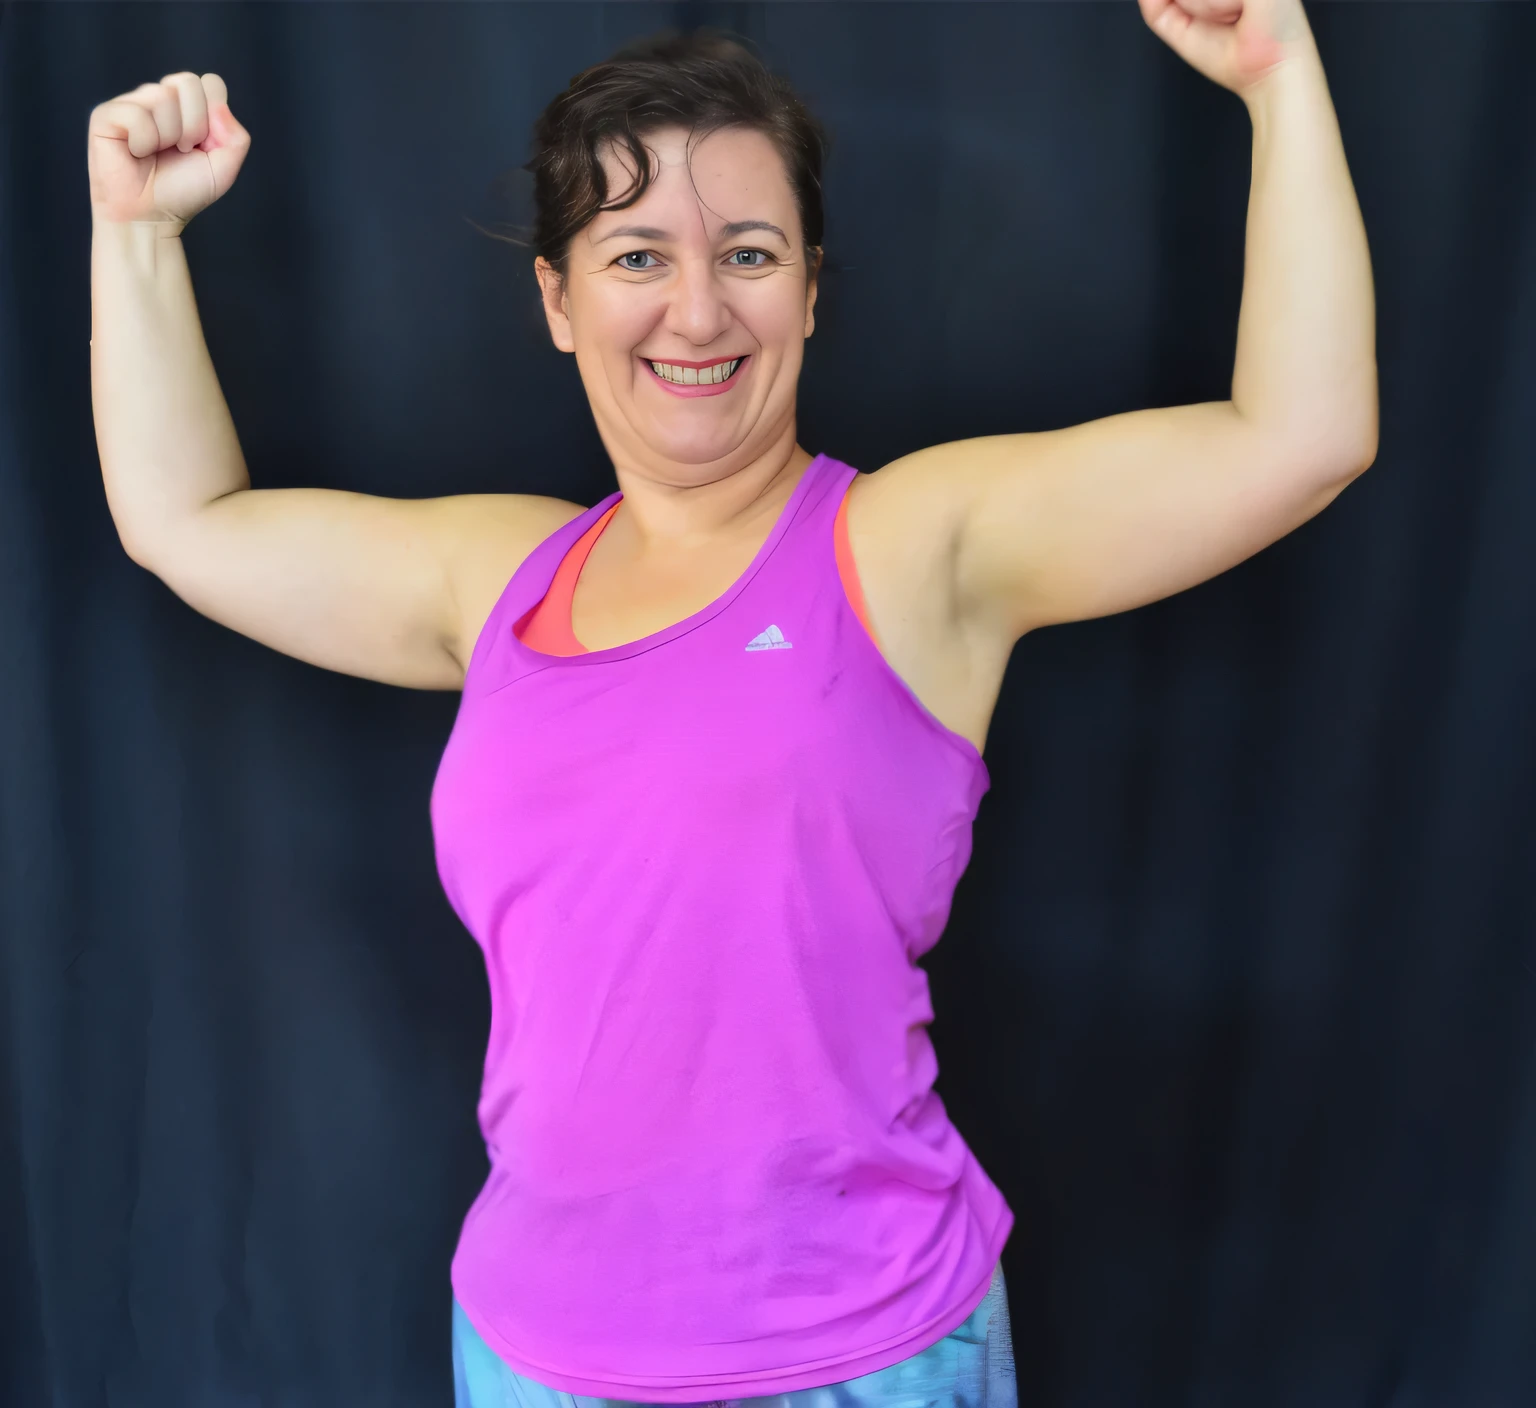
column 650, row 232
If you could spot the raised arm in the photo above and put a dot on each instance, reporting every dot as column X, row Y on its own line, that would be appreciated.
column 1098, row 518
column 390, row 589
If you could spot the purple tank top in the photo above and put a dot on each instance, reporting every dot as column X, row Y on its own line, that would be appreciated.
column 701, row 866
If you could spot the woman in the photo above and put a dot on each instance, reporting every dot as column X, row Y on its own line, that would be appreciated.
column 719, row 748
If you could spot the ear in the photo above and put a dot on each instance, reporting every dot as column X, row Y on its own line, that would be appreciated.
column 556, row 311
column 810, row 290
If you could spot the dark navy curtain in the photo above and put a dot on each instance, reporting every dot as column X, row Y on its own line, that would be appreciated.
column 1238, row 999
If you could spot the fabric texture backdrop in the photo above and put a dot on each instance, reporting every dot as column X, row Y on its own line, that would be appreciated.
column 1238, row 1000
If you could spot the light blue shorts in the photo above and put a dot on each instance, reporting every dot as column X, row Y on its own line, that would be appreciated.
column 972, row 1367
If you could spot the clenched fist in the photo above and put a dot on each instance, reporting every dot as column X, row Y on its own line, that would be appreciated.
column 1235, row 43
column 163, row 152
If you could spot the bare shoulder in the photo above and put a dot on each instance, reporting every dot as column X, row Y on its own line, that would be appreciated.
column 904, row 523
column 484, row 539
column 920, row 499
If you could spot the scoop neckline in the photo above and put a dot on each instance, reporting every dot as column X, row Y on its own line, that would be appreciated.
column 688, row 623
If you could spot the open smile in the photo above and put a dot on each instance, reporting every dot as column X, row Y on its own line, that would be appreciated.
column 696, row 378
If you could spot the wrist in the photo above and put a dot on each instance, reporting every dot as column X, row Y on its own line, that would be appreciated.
column 136, row 229
column 148, row 247
column 1299, row 75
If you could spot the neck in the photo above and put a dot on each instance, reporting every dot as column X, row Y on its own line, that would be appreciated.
column 665, row 511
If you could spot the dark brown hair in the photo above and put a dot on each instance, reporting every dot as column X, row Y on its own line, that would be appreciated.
column 702, row 80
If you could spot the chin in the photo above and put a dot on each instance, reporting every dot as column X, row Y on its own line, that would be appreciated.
column 704, row 449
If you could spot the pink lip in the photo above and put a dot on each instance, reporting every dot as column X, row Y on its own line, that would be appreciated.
column 677, row 390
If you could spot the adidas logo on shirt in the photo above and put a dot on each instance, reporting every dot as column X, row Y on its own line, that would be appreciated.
column 771, row 639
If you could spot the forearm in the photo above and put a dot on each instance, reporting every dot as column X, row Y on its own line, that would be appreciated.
column 164, row 434
column 1306, row 344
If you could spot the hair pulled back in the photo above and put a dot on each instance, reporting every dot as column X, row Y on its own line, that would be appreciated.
column 703, row 80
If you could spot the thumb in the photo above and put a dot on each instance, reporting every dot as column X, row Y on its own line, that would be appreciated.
column 1270, row 31
column 227, row 141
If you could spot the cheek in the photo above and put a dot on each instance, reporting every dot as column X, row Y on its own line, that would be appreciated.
column 776, row 319
column 610, row 329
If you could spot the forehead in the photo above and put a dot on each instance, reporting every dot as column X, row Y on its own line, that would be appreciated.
column 735, row 172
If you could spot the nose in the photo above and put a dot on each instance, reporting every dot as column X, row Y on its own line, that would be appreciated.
column 698, row 310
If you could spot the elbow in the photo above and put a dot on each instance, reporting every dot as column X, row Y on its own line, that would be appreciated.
column 134, row 545
column 1368, row 448
column 144, row 549
column 1333, row 452
column 1332, row 440
column 1317, row 468
column 1359, row 434
column 1360, row 455
column 152, row 537
column 1348, row 462
column 1359, row 448
column 1345, row 464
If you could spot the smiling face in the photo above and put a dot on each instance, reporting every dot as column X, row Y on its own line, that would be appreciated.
column 705, row 277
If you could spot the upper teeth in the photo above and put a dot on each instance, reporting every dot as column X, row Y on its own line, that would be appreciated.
column 694, row 376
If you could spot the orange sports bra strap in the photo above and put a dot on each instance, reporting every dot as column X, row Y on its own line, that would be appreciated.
column 846, row 568
column 547, row 628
